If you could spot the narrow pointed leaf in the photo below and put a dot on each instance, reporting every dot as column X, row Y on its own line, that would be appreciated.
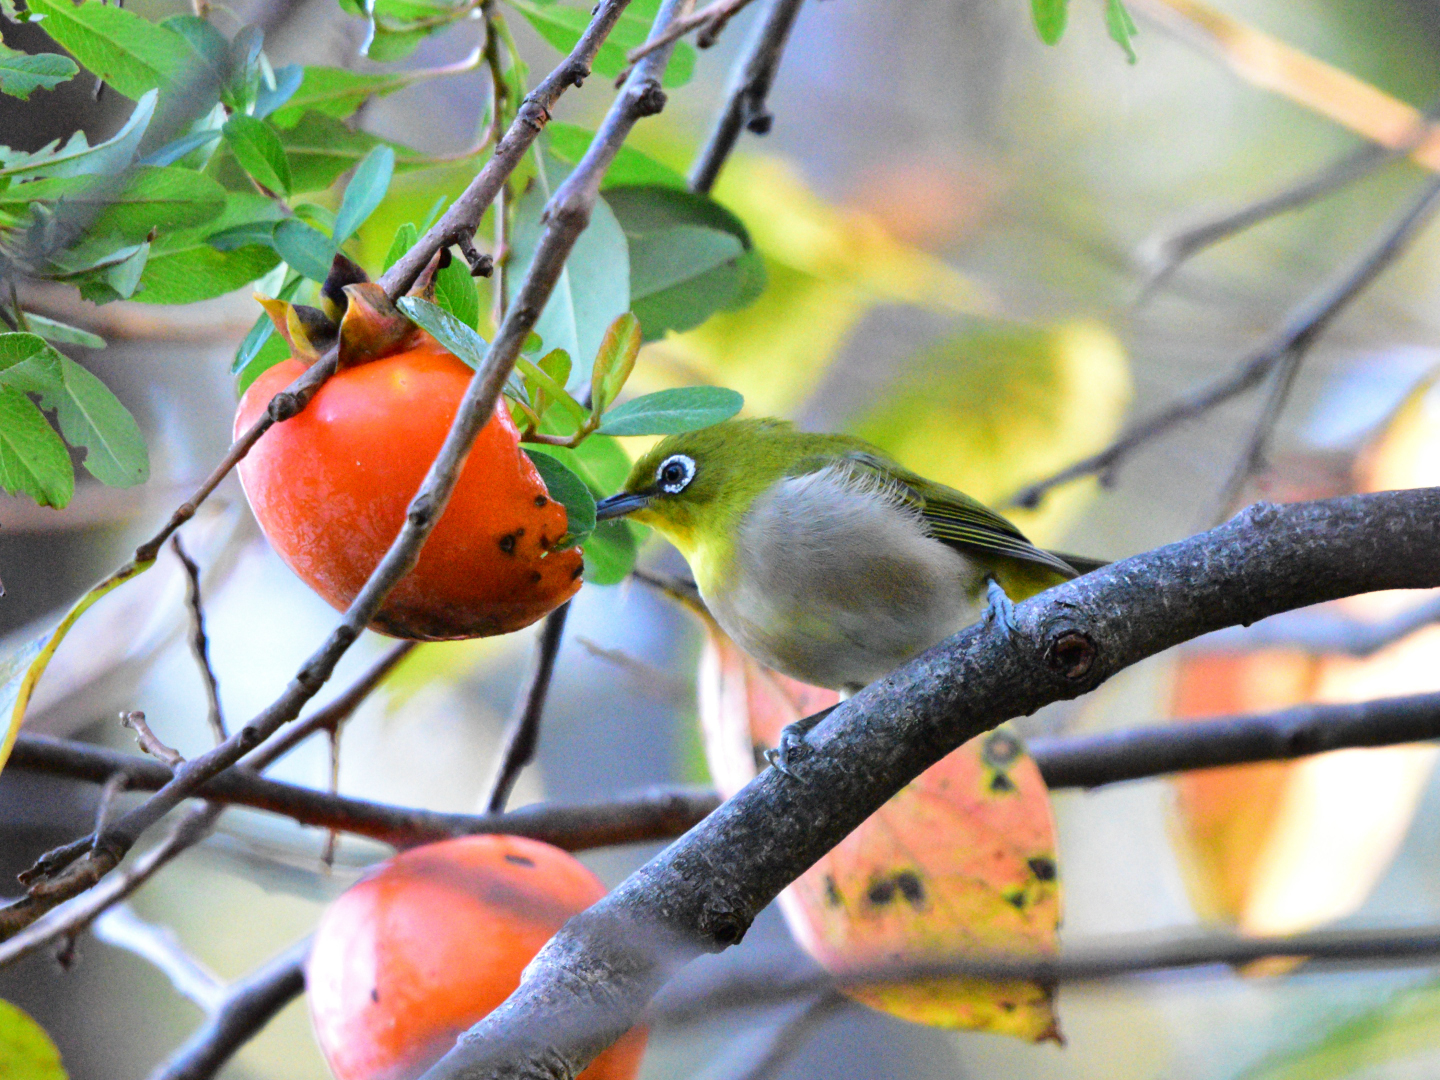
column 22, row 73
column 128, row 52
column 259, row 151
column 33, row 459
column 364, row 192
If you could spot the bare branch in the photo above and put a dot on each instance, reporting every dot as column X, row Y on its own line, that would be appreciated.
column 158, row 945
column 1325, row 631
column 764, row 1054
column 244, row 1009
column 749, row 88
column 522, row 738
column 27, row 925
column 149, row 742
column 199, row 643
column 656, row 814
column 1301, row 329
column 333, row 715
column 688, row 1000
column 465, row 213
column 592, row 980
column 1094, row 760
column 713, row 17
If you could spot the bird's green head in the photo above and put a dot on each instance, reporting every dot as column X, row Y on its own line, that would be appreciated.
column 694, row 487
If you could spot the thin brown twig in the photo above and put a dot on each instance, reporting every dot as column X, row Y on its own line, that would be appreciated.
column 710, row 20
column 522, row 737
column 655, row 814
column 765, row 982
column 199, row 642
column 56, row 913
column 1300, row 330
column 745, row 107
column 149, row 741
column 334, row 714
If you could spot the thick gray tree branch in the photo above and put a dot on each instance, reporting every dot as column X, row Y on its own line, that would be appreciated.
column 592, row 980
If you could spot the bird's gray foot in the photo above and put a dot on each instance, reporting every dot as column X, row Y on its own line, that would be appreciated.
column 792, row 746
column 1000, row 609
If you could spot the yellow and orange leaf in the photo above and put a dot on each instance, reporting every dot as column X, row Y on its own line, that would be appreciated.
column 960, row 861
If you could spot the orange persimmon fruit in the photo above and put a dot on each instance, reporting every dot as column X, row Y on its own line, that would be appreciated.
column 432, row 941
column 331, row 486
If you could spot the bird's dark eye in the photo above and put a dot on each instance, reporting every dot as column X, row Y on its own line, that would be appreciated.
column 674, row 473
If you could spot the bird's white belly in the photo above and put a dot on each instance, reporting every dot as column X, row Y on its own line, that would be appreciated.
column 835, row 583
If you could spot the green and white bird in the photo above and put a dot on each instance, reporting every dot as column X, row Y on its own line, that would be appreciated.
column 823, row 558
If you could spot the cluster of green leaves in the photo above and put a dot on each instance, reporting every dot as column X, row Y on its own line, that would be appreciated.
column 1051, row 15
column 35, row 376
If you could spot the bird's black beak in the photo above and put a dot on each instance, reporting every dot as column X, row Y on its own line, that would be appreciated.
column 625, row 502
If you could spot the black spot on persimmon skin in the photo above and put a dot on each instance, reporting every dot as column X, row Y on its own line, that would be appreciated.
column 507, row 542
column 1017, row 900
column 910, row 886
column 1001, row 782
column 1042, row 868
column 577, row 572
column 832, row 891
column 535, row 577
column 541, row 501
column 1000, row 749
column 881, row 892
column 520, row 860
column 375, row 994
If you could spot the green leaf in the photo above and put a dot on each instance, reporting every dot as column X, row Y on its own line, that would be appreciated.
column 271, row 98
column 33, row 460
column 570, row 491
column 77, row 157
column 1050, row 16
column 258, row 149
column 445, row 328
column 614, row 362
column 53, row 330
column 364, row 192
column 1407, row 1025
column 168, row 198
column 186, row 144
column 593, row 289
column 21, row 73
column 114, row 276
column 667, row 412
column 129, row 53
column 184, row 268
column 90, row 415
column 455, row 291
column 689, row 257
column 260, row 334
column 568, row 143
column 1121, row 26
column 335, row 92
column 306, row 249
column 26, row 1052
column 209, row 51
column 405, row 238
column 320, row 148
column 271, row 352
column 610, row 552
column 562, row 26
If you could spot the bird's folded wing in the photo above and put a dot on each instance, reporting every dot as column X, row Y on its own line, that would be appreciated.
column 956, row 519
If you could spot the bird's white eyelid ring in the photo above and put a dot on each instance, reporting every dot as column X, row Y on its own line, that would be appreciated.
column 675, row 473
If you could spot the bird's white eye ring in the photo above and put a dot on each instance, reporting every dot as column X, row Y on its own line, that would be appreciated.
column 675, row 473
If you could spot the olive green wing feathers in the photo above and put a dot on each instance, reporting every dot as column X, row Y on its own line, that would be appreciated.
column 956, row 519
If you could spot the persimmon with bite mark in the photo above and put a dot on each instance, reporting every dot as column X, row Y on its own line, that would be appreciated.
column 331, row 487
column 431, row 942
